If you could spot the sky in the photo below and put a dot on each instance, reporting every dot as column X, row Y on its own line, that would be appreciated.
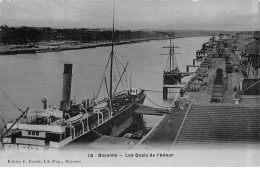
column 134, row 14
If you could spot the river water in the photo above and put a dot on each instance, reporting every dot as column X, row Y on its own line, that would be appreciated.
column 27, row 78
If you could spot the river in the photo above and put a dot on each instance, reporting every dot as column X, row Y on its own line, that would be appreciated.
column 27, row 78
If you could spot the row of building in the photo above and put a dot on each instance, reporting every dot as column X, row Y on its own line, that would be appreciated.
column 247, row 49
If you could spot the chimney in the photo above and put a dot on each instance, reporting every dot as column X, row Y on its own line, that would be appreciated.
column 84, row 104
column 66, row 91
column 44, row 101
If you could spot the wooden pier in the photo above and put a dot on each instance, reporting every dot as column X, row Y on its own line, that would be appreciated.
column 188, row 67
column 147, row 110
column 175, row 86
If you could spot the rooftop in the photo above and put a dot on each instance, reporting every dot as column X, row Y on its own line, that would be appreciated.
column 253, row 47
column 221, row 123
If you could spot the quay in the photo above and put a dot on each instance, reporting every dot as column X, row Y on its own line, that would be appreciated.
column 218, row 106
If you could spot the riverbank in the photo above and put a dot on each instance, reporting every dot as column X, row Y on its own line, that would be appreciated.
column 45, row 47
column 65, row 45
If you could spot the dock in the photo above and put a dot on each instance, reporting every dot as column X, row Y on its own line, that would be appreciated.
column 163, row 135
column 207, row 111
column 147, row 110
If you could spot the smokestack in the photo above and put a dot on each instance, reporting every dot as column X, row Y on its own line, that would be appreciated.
column 84, row 104
column 66, row 91
column 87, row 103
column 44, row 101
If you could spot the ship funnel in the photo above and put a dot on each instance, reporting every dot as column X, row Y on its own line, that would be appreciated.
column 44, row 101
column 66, row 91
column 84, row 104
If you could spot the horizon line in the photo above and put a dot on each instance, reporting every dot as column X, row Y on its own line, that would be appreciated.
column 106, row 28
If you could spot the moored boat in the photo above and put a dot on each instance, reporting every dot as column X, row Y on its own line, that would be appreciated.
column 171, row 75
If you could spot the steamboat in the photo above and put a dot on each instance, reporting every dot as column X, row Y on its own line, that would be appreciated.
column 52, row 129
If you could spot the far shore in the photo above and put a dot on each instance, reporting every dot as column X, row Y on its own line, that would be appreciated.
column 44, row 47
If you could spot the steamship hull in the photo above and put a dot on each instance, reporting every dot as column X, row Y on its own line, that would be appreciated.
column 126, row 112
column 73, row 133
column 53, row 129
column 118, row 123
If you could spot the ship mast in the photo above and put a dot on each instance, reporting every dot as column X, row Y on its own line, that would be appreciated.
column 24, row 113
column 111, row 66
column 170, row 54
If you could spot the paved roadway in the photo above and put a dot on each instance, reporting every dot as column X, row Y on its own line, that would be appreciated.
column 233, row 79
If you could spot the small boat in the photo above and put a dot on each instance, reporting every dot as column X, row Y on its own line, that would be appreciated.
column 138, row 135
column 127, row 136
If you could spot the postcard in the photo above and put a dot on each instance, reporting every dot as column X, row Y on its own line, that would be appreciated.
column 144, row 83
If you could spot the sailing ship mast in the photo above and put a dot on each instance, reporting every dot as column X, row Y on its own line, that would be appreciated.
column 110, row 90
column 111, row 60
column 172, row 62
column 171, row 75
column 171, row 54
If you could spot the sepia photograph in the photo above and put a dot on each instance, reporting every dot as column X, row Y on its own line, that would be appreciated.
column 129, row 83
